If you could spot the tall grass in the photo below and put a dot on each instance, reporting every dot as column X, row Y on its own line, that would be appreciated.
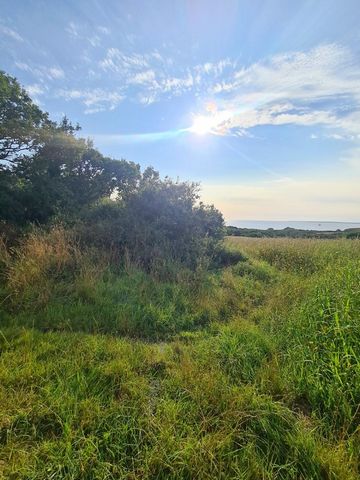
column 255, row 373
column 54, row 284
column 78, row 406
column 313, row 311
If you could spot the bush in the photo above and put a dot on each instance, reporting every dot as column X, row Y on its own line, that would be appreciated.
column 158, row 226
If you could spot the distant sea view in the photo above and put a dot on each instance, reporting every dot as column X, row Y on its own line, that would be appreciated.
column 302, row 225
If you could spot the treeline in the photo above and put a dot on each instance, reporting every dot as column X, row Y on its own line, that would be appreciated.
column 48, row 175
column 289, row 232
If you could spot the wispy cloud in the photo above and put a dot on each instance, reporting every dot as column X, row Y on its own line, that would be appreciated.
column 318, row 87
column 315, row 87
column 158, row 76
column 80, row 32
column 95, row 100
column 119, row 62
column 9, row 32
column 302, row 88
column 42, row 72
column 215, row 69
column 35, row 89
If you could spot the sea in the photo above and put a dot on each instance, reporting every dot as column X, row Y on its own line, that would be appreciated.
column 302, row 225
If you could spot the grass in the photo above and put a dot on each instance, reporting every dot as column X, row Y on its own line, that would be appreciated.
column 251, row 371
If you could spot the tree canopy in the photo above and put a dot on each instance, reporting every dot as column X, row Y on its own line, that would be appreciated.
column 22, row 123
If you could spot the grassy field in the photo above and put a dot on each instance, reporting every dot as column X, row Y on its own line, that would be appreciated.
column 246, row 372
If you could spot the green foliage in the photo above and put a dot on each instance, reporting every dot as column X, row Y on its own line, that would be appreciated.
column 160, row 225
column 22, row 123
column 224, row 257
column 259, row 270
column 55, row 284
column 64, row 176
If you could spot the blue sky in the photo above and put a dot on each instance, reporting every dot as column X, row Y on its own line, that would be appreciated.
column 257, row 100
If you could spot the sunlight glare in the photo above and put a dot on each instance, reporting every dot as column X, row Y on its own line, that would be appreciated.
column 202, row 124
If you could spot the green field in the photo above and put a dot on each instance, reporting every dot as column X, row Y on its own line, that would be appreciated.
column 250, row 371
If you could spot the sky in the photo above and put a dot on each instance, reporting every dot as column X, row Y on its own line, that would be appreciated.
column 259, row 100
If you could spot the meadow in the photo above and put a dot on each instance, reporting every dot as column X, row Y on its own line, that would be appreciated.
column 247, row 369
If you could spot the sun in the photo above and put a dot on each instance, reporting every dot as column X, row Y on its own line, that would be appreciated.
column 202, row 125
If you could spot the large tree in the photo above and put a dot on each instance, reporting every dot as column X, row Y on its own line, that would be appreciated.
column 22, row 123
column 45, row 169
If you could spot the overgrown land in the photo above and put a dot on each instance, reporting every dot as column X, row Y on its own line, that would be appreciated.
column 137, row 342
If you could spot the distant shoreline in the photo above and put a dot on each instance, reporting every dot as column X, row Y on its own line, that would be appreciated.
column 321, row 226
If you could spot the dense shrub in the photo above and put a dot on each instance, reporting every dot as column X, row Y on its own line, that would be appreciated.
column 158, row 225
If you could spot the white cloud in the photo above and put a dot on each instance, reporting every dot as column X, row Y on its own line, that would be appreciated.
column 35, row 89
column 150, row 73
column 215, row 69
column 42, row 72
column 176, row 84
column 316, row 87
column 148, row 76
column 147, row 99
column 9, row 32
column 54, row 72
column 304, row 88
column 80, row 32
column 157, row 76
column 117, row 61
column 94, row 99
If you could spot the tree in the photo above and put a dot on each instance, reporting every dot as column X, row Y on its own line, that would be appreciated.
column 22, row 123
column 45, row 169
column 66, row 175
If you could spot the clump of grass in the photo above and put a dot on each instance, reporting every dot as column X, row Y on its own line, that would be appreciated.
column 259, row 270
column 242, row 350
column 42, row 260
